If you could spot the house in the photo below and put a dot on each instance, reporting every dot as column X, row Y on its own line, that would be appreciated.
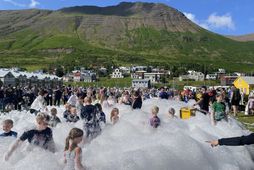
column 245, row 84
column 138, row 75
column 154, row 77
column 117, row 74
column 227, row 80
column 7, row 78
column 89, row 77
column 125, row 70
column 77, row 76
column 144, row 83
column 192, row 75
column 211, row 76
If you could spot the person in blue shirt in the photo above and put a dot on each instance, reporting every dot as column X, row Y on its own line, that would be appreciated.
column 7, row 126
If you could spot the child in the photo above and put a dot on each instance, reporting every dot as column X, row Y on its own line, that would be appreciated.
column 41, row 136
column 54, row 120
column 73, row 117
column 219, row 110
column 67, row 111
column 7, row 125
column 102, row 117
column 171, row 113
column 114, row 115
column 155, row 120
column 72, row 152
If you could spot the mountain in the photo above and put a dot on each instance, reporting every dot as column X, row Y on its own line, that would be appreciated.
column 243, row 38
column 128, row 33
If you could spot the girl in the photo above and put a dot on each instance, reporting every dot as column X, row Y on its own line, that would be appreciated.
column 114, row 115
column 72, row 152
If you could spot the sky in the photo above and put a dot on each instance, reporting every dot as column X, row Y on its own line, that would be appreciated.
column 227, row 17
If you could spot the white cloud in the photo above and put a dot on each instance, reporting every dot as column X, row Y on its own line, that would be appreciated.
column 15, row 3
column 213, row 21
column 33, row 4
column 223, row 21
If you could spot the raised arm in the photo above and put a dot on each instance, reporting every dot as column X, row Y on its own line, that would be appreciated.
column 12, row 149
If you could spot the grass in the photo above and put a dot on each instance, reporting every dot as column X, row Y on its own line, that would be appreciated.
column 247, row 120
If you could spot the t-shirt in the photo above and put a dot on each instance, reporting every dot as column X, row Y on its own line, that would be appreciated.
column 204, row 104
column 219, row 110
column 43, row 138
column 88, row 112
column 11, row 133
column 155, row 121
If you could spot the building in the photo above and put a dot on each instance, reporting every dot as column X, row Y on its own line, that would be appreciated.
column 89, row 77
column 211, row 77
column 154, row 77
column 77, row 76
column 7, row 78
column 138, row 75
column 227, row 80
column 117, row 74
column 245, row 84
column 144, row 83
column 192, row 75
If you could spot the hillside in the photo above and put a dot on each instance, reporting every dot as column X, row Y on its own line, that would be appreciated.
column 129, row 33
column 243, row 38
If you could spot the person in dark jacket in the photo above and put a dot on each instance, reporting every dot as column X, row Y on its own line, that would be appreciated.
column 234, row 141
column 137, row 101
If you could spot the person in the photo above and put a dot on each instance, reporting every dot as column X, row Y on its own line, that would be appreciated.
column 67, row 110
column 89, row 116
column 249, row 109
column 234, row 141
column 171, row 113
column 39, row 104
column 136, row 100
column 102, row 116
column 163, row 94
column 155, row 120
column 72, row 152
column 114, row 115
column 73, row 100
column 204, row 101
column 58, row 95
column 54, row 120
column 73, row 117
column 218, row 110
column 235, row 99
column 41, row 136
column 7, row 126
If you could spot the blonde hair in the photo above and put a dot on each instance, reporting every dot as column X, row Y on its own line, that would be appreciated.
column 112, row 114
column 42, row 117
column 155, row 109
column 8, row 122
column 74, row 133
column 53, row 111
column 88, row 100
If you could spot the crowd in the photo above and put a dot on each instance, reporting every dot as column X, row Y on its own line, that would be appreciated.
column 85, row 104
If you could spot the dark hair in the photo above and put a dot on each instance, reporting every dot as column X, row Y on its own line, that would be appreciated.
column 43, row 92
column 98, row 106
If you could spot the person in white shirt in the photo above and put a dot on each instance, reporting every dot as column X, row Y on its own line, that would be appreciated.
column 39, row 104
column 73, row 100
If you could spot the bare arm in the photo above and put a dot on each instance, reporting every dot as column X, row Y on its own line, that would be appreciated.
column 12, row 149
column 212, row 117
column 78, row 152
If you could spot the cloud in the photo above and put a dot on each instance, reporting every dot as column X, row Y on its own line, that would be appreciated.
column 33, row 4
column 223, row 21
column 213, row 21
column 15, row 3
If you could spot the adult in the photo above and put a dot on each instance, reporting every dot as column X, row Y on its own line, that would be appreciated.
column 204, row 101
column 235, row 99
column 39, row 104
column 136, row 100
column 163, row 94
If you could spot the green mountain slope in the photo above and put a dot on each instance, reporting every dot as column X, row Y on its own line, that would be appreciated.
column 129, row 33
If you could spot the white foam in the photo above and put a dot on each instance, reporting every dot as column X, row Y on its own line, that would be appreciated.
column 132, row 144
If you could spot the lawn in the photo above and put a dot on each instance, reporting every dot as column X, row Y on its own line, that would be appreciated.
column 247, row 120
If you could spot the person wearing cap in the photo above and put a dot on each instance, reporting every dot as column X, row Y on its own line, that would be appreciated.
column 204, row 101
column 41, row 136
column 171, row 113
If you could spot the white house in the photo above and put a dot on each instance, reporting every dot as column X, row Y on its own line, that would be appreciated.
column 7, row 78
column 144, row 83
column 192, row 75
column 154, row 77
column 117, row 74
column 211, row 76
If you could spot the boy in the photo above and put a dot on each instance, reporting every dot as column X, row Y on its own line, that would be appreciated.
column 218, row 110
column 54, row 120
column 7, row 125
column 155, row 120
column 41, row 136
column 73, row 117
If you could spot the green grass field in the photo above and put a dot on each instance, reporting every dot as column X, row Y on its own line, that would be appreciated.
column 247, row 120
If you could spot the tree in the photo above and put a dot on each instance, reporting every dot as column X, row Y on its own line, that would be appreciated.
column 59, row 71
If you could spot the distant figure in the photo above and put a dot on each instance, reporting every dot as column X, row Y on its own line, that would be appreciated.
column 72, row 152
column 136, row 100
column 114, row 115
column 163, row 94
column 204, row 101
column 155, row 120
column 39, row 104
column 54, row 120
column 41, row 136
column 235, row 99
column 171, row 113
column 218, row 110
column 7, row 126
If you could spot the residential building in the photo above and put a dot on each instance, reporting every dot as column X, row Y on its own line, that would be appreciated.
column 141, row 83
column 117, row 74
